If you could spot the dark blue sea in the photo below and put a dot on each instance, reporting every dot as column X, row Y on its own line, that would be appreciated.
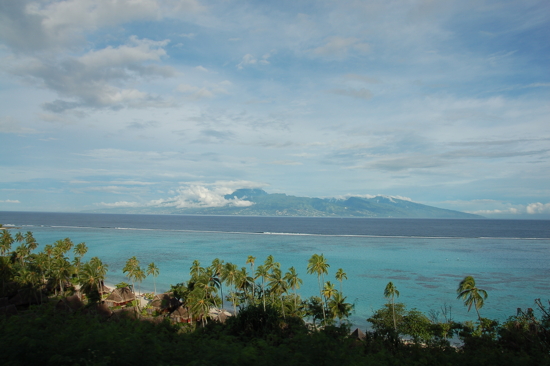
column 424, row 258
column 430, row 228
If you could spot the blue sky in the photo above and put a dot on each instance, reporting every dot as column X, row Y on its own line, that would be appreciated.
column 134, row 103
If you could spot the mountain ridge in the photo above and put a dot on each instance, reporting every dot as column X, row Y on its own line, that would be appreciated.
column 257, row 202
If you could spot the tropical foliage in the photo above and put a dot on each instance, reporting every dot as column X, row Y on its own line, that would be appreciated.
column 271, row 324
column 390, row 292
column 471, row 295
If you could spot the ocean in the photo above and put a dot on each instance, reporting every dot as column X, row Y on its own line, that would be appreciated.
column 424, row 258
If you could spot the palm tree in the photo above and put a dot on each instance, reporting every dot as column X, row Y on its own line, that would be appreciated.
column 196, row 270
column 278, row 286
column 199, row 304
column 61, row 272
column 270, row 263
column 59, row 249
column 5, row 242
column 19, row 237
column 90, row 277
column 294, row 282
column 209, row 285
column 217, row 269
column 328, row 291
column 340, row 276
column 318, row 264
column 153, row 270
column 471, row 295
column 244, row 282
column 80, row 249
column 251, row 260
column 48, row 250
column 390, row 292
column 339, row 307
column 135, row 274
column 262, row 272
column 30, row 241
column 229, row 276
column 139, row 275
column 28, row 277
column 21, row 252
column 130, row 268
column 213, row 278
column 101, row 269
column 67, row 244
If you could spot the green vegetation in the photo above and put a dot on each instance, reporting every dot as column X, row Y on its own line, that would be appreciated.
column 471, row 295
column 273, row 325
column 390, row 292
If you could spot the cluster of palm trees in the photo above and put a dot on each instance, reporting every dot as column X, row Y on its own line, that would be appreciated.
column 135, row 273
column 333, row 301
column 51, row 270
column 467, row 291
column 262, row 285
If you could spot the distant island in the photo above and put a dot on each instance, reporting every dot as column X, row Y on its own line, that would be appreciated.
column 257, row 202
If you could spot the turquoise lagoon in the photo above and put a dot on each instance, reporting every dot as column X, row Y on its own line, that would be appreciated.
column 425, row 270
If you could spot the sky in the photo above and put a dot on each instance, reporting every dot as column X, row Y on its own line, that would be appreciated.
column 136, row 103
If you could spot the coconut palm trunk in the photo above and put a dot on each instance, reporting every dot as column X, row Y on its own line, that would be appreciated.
column 390, row 292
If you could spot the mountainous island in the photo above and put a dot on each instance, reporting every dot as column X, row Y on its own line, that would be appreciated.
column 257, row 202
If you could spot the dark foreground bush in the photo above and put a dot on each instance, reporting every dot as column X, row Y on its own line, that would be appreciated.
column 41, row 336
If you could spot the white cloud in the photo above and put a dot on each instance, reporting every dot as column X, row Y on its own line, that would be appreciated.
column 10, row 201
column 402, row 198
column 538, row 208
column 504, row 208
column 34, row 26
column 136, row 51
column 509, row 211
column 200, row 196
column 92, row 14
column 370, row 196
column 538, row 85
column 437, row 124
column 99, row 78
column 249, row 59
column 197, row 195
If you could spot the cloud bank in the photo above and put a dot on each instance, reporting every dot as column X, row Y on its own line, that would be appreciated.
column 443, row 102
